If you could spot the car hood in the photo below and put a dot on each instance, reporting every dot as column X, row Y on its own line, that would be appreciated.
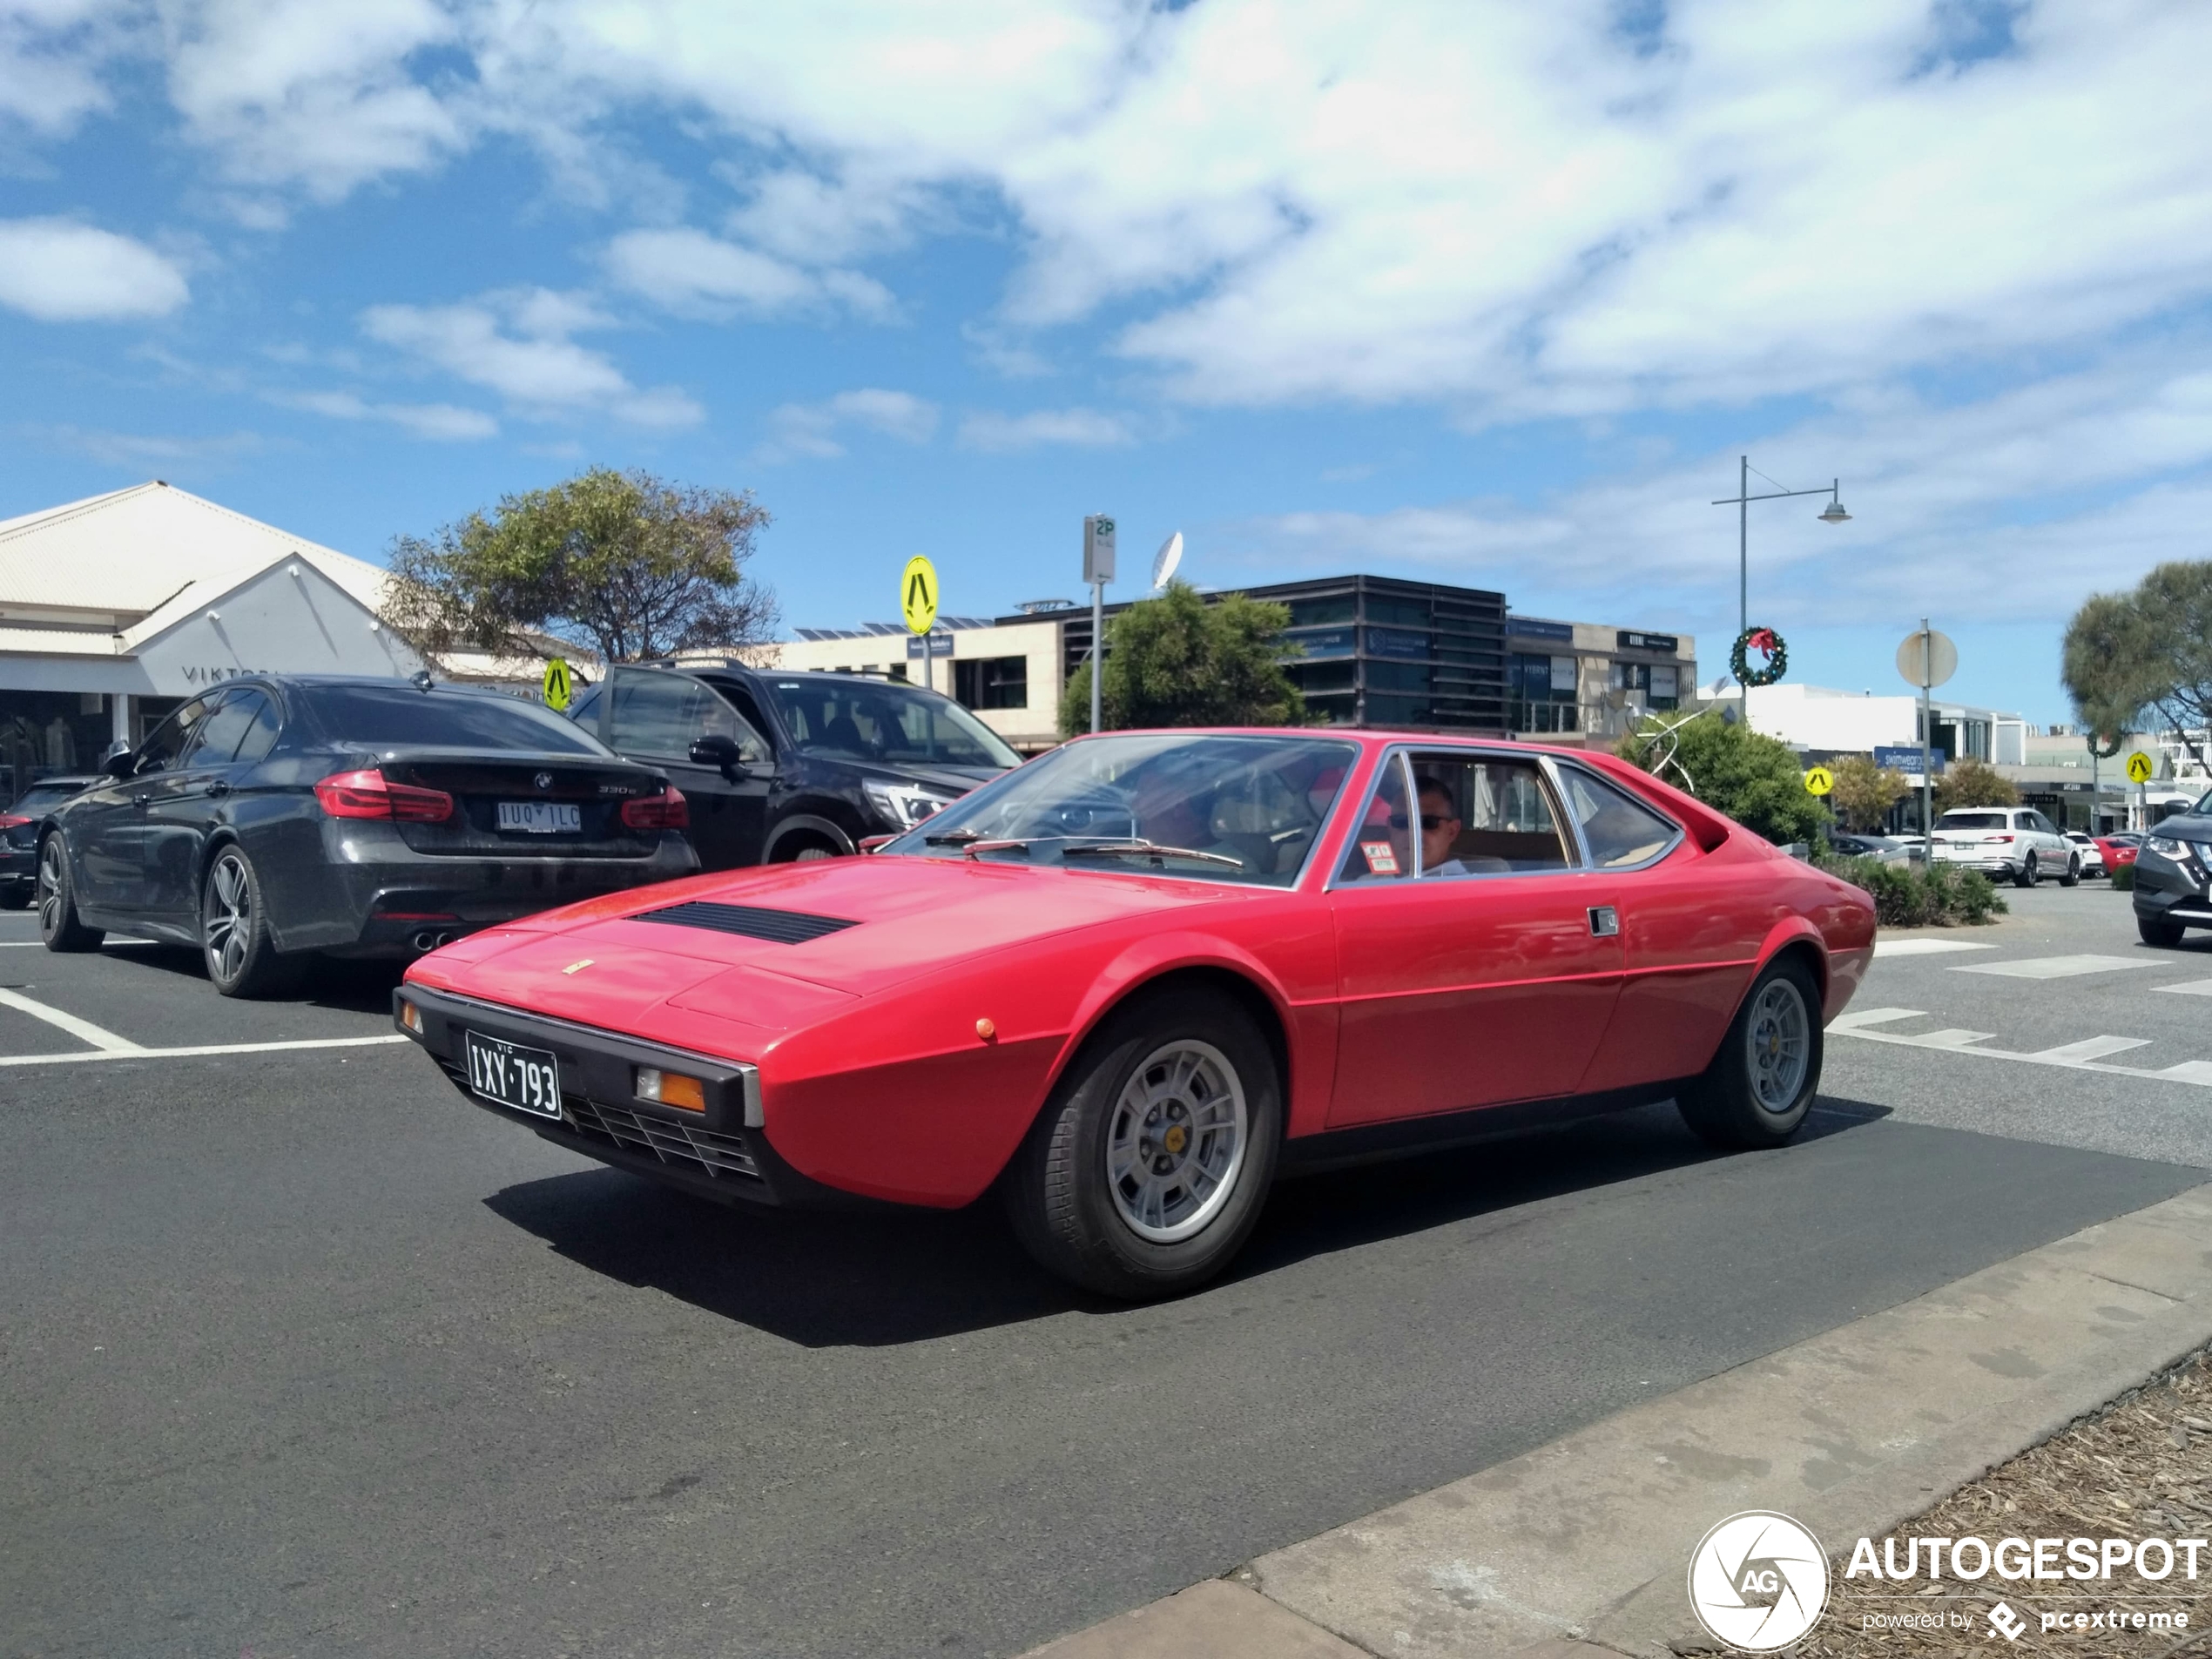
column 953, row 781
column 2184, row 826
column 875, row 921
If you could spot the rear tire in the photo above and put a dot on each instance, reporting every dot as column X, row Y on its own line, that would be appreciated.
column 2165, row 935
column 1148, row 1167
column 235, row 941
column 2073, row 876
column 1761, row 1084
column 59, row 927
column 2027, row 878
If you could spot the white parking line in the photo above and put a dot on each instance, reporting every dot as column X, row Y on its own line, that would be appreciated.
column 2054, row 967
column 84, row 1030
column 1926, row 946
column 2188, row 988
column 209, row 1048
column 2070, row 1057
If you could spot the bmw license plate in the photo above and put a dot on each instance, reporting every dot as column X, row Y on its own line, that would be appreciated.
column 541, row 817
column 527, row 1079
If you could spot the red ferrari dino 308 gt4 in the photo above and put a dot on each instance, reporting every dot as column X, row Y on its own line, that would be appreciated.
column 1129, row 983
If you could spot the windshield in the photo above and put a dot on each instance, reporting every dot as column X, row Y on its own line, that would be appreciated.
column 400, row 715
column 897, row 723
column 1244, row 809
column 1970, row 821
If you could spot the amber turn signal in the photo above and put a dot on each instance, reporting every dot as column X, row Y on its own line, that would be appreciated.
column 411, row 1017
column 986, row 1029
column 671, row 1089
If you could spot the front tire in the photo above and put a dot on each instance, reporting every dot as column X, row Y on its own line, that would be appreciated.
column 1147, row 1169
column 2073, row 876
column 2164, row 935
column 235, row 941
column 59, row 927
column 2027, row 878
column 1761, row 1084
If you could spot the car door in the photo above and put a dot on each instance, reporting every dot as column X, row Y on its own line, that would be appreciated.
column 655, row 715
column 112, row 822
column 192, row 797
column 1480, row 968
column 2053, row 850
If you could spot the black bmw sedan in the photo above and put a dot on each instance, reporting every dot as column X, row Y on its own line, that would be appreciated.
column 279, row 817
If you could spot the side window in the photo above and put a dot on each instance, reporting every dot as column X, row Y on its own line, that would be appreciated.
column 1620, row 830
column 261, row 737
column 661, row 714
column 1485, row 815
column 2042, row 823
column 171, row 738
column 753, row 748
column 217, row 739
column 747, row 708
column 584, row 709
column 1382, row 846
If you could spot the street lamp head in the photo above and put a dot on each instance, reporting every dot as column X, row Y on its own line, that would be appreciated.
column 1834, row 513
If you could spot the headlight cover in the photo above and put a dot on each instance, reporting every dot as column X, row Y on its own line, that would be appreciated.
column 2168, row 846
column 904, row 805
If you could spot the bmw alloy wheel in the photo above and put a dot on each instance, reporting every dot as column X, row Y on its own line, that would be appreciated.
column 1776, row 1034
column 229, row 916
column 1176, row 1141
column 50, row 886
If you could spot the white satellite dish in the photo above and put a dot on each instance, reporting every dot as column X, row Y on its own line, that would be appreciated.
column 1165, row 561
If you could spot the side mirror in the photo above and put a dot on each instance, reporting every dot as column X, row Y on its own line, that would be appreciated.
column 718, row 751
column 120, row 760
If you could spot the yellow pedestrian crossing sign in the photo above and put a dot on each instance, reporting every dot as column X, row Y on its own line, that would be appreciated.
column 918, row 594
column 2139, row 767
column 557, row 684
column 1819, row 781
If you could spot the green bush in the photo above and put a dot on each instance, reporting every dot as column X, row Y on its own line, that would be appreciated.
column 1907, row 895
column 2123, row 879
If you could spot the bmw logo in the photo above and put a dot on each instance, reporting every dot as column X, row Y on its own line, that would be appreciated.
column 543, row 781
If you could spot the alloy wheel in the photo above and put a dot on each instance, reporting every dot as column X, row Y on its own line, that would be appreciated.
column 1777, row 1033
column 1176, row 1141
column 50, row 887
column 229, row 916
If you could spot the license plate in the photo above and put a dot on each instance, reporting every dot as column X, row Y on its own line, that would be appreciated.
column 541, row 817
column 527, row 1079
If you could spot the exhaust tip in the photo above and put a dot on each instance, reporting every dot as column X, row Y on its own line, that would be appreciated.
column 425, row 940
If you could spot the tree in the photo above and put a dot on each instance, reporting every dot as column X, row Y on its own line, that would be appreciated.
column 1974, row 783
column 640, row 566
column 1865, row 793
column 1755, row 779
column 1178, row 660
column 2143, row 660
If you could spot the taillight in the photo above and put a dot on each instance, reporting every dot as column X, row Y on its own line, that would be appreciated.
column 371, row 794
column 2005, row 839
column 11, row 820
column 665, row 811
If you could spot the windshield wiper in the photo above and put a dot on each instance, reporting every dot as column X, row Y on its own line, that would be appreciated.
column 1145, row 849
column 952, row 838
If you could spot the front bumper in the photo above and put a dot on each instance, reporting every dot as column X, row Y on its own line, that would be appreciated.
column 2169, row 891
column 722, row 1153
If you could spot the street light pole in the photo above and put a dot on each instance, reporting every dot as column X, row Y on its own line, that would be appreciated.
column 1742, row 500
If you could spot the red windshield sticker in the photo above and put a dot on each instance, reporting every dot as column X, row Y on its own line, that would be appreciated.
column 1381, row 860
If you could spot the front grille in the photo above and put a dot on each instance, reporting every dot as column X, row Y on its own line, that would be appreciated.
column 778, row 926
column 671, row 1143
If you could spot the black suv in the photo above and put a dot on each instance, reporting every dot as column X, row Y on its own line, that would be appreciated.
column 779, row 766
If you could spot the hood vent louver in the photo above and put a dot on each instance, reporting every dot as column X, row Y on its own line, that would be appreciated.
column 778, row 926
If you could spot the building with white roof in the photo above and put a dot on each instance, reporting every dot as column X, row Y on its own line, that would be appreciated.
column 115, row 608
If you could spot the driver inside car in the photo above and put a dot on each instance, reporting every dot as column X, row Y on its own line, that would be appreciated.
column 1440, row 828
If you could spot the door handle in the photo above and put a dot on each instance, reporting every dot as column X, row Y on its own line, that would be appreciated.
column 1605, row 921
column 219, row 787
column 142, row 803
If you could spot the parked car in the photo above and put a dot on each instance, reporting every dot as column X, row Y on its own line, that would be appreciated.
column 2173, row 876
column 2092, row 854
column 1129, row 983
column 19, row 835
column 2118, row 848
column 780, row 767
column 2015, row 844
column 1853, row 845
column 278, row 817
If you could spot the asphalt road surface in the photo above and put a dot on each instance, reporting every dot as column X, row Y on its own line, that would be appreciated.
column 302, row 1354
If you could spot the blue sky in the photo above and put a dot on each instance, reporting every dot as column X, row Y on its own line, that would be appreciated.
column 1467, row 292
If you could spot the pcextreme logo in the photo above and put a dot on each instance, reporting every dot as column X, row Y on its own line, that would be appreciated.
column 1758, row 1581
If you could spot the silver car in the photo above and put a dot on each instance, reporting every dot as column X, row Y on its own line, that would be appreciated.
column 2015, row 844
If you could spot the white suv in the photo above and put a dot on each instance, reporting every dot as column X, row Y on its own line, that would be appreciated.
column 2014, row 843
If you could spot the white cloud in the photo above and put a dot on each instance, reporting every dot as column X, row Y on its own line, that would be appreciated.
column 517, row 342
column 689, row 271
column 52, row 55
column 58, row 270
column 1081, row 428
column 442, row 422
column 809, row 430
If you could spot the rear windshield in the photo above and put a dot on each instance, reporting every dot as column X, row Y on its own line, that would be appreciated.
column 1972, row 820
column 401, row 716
column 40, row 799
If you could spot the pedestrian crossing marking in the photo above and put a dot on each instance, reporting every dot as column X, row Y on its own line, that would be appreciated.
column 1926, row 946
column 2054, row 967
column 2086, row 1055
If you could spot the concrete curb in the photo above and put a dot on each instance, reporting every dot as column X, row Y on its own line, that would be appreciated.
column 1583, row 1545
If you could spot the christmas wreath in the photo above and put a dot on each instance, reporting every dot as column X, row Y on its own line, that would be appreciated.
column 1769, row 644
column 2104, row 748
